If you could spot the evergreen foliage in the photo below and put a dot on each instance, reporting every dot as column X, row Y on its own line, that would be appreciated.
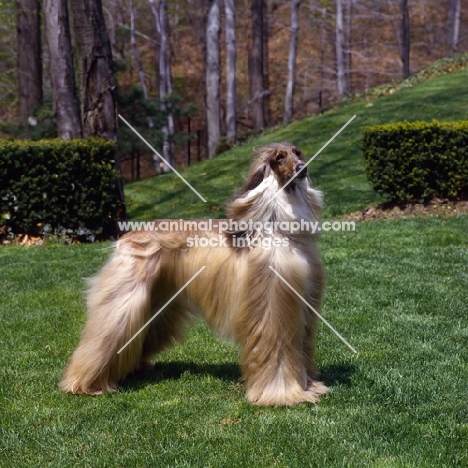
column 65, row 188
column 416, row 161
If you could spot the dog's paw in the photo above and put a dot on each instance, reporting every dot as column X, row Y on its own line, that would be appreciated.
column 109, row 387
column 316, row 387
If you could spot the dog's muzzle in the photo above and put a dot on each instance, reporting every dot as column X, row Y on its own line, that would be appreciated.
column 301, row 170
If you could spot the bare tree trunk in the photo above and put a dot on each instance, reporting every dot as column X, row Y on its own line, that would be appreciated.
column 456, row 26
column 163, row 71
column 155, row 13
column 66, row 105
column 429, row 30
column 405, row 38
column 340, row 51
column 199, row 24
column 213, row 77
column 348, row 50
column 267, row 118
column 256, row 65
column 141, row 74
column 136, row 55
column 157, row 24
column 165, row 87
column 289, row 99
column 323, row 45
column 231, row 98
column 96, row 78
column 95, row 70
column 453, row 25
column 29, row 57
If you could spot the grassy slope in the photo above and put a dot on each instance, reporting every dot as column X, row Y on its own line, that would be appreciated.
column 397, row 291
column 338, row 170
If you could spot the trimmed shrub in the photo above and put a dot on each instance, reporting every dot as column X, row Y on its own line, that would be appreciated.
column 64, row 188
column 416, row 161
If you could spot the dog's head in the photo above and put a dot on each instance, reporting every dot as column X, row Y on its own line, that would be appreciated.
column 282, row 160
column 277, row 188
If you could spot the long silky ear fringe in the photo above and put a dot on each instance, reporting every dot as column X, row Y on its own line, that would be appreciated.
column 253, row 181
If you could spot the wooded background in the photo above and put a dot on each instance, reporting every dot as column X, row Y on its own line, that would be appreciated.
column 196, row 75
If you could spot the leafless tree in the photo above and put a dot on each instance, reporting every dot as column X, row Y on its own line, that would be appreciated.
column 289, row 99
column 66, row 105
column 348, row 19
column 231, row 97
column 405, row 38
column 341, row 54
column 136, row 55
column 453, row 25
column 212, row 82
column 323, row 45
column 256, row 69
column 165, row 84
column 268, row 21
column 29, row 57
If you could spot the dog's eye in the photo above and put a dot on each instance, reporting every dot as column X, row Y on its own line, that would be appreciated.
column 280, row 158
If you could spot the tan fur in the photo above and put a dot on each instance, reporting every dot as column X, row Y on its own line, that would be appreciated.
column 238, row 295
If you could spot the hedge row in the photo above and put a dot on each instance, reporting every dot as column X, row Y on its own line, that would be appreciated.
column 416, row 161
column 60, row 187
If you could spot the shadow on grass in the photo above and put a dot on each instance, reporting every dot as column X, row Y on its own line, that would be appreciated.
column 338, row 374
column 175, row 370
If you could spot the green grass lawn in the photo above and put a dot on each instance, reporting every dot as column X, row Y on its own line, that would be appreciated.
column 397, row 291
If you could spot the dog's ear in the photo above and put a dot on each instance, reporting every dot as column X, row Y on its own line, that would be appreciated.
column 256, row 178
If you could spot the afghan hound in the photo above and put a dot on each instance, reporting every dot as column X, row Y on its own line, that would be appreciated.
column 261, row 271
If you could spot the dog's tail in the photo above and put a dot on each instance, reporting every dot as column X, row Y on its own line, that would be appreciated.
column 119, row 304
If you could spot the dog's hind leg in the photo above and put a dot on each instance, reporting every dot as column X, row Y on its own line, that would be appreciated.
column 119, row 303
column 164, row 331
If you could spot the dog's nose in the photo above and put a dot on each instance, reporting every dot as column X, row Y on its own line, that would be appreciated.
column 301, row 170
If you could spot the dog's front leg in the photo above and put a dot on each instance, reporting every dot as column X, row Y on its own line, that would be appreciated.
column 272, row 331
